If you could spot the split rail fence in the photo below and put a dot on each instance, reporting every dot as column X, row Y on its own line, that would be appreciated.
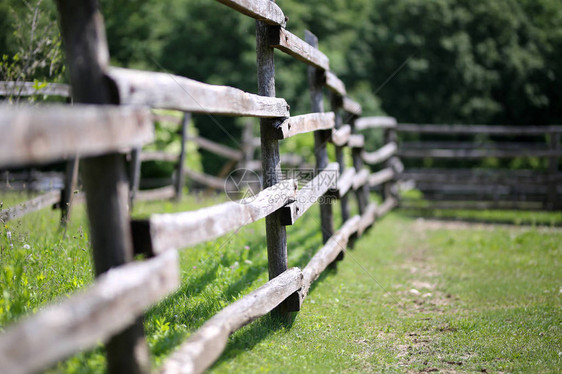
column 109, row 117
column 456, row 187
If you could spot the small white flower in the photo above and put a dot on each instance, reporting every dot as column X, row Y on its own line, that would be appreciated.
column 26, row 246
column 9, row 235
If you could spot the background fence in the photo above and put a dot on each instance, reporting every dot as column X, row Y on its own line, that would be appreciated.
column 459, row 187
column 111, row 309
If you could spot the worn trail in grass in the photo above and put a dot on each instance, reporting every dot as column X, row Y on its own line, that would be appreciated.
column 419, row 297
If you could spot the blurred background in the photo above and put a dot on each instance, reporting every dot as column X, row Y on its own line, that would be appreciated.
column 439, row 61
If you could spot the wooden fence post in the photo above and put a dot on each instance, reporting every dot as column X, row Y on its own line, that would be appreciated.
column 70, row 181
column 321, row 137
column 336, row 104
column 271, row 166
column 247, row 144
column 105, row 178
column 134, row 175
column 552, row 201
column 390, row 136
column 180, row 171
column 362, row 193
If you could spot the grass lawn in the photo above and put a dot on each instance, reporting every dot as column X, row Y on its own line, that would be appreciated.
column 413, row 296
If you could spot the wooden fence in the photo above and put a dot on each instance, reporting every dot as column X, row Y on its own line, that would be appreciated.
column 458, row 188
column 111, row 116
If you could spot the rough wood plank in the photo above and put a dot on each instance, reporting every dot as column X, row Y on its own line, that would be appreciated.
column 381, row 154
column 27, row 89
column 262, row 10
column 207, row 344
column 219, row 149
column 207, row 180
column 326, row 180
column 305, row 123
column 42, row 134
column 163, row 193
column 33, row 205
column 294, row 46
column 386, row 207
column 158, row 156
column 360, row 179
column 327, row 254
column 179, row 230
column 375, row 123
column 335, row 84
column 166, row 91
column 352, row 107
column 340, row 137
column 368, row 218
column 479, row 129
column 179, row 182
column 345, row 182
column 92, row 315
column 356, row 141
column 477, row 153
column 380, row 177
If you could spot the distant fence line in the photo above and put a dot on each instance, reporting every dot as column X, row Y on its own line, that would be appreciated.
column 453, row 188
column 111, row 309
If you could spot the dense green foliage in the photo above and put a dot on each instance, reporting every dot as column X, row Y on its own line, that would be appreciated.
column 457, row 60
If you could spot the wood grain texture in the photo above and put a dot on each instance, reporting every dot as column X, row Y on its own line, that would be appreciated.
column 162, row 193
column 352, row 107
column 375, row 123
column 262, row 10
column 381, row 154
column 92, row 315
column 380, row 177
column 340, row 137
column 345, row 182
column 28, row 89
column 327, row 254
column 36, row 135
column 294, row 46
column 167, row 91
column 208, row 180
column 158, row 156
column 179, row 230
column 305, row 123
column 335, row 84
column 206, row 345
column 479, row 129
column 310, row 193
column 360, row 179
column 46, row 200
column 356, row 141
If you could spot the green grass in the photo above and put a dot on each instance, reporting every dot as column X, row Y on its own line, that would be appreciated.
column 412, row 296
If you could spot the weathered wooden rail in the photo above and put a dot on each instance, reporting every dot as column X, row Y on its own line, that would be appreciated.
column 462, row 188
column 110, row 310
